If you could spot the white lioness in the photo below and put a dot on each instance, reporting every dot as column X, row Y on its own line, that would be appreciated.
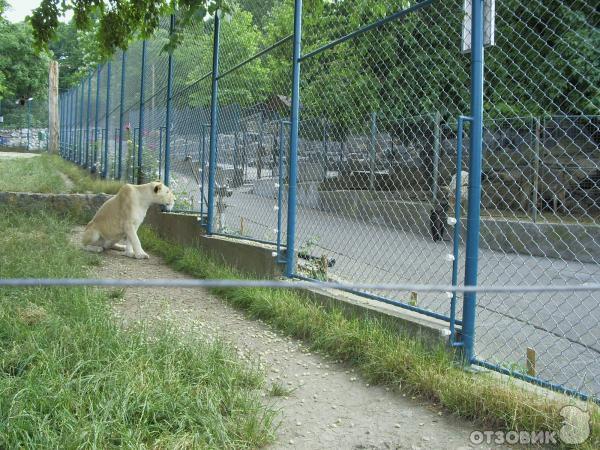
column 120, row 217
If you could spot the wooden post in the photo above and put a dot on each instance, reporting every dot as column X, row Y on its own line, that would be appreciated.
column 530, row 362
column 413, row 299
column 53, row 120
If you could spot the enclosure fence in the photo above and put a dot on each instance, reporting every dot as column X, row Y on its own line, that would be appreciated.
column 426, row 142
column 24, row 123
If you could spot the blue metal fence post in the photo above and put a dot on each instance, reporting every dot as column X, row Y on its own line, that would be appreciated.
column 106, row 122
column 293, row 168
column 133, row 156
column 474, row 211
column 259, row 155
column 60, row 123
column 79, row 153
column 87, row 120
column 325, row 158
column 280, row 181
column 95, row 149
column 63, row 121
column 121, row 114
column 28, row 123
column 235, row 156
column 141, row 126
column 75, row 123
column 66, row 126
column 71, row 123
column 168, row 112
column 160, row 152
column 457, row 227
column 212, row 158
column 203, row 170
column 372, row 151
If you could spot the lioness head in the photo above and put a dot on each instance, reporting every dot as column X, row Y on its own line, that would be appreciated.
column 163, row 195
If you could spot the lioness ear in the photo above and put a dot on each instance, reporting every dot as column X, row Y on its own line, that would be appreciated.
column 157, row 188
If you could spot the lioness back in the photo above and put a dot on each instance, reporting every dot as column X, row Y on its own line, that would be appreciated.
column 109, row 220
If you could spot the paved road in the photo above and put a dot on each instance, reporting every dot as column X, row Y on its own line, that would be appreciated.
column 562, row 328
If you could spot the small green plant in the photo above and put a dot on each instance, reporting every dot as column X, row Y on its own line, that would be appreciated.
column 116, row 294
column 309, row 244
column 182, row 202
column 279, row 390
column 316, row 266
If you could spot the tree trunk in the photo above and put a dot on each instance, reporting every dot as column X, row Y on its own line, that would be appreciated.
column 53, row 125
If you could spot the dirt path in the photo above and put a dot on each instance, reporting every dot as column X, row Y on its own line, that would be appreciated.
column 330, row 407
column 17, row 155
column 69, row 185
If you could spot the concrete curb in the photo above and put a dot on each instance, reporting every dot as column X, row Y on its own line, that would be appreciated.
column 84, row 204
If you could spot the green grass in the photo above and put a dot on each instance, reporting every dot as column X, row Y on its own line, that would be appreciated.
column 279, row 390
column 70, row 377
column 378, row 350
column 82, row 180
column 37, row 174
column 42, row 174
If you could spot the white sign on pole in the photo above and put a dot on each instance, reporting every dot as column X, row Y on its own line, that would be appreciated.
column 489, row 24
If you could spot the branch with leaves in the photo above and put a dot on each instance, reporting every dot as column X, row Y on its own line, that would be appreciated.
column 116, row 23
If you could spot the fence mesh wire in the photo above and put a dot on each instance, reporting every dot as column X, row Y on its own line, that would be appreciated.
column 540, row 193
column 24, row 126
column 377, row 152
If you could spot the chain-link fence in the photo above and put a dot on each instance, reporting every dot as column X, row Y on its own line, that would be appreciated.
column 347, row 153
column 24, row 124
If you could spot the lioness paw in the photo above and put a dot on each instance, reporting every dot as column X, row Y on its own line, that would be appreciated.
column 142, row 255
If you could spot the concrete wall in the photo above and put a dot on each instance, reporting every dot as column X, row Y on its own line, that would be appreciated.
column 81, row 205
column 251, row 258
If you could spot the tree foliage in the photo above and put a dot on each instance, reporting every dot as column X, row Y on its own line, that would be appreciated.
column 25, row 72
column 76, row 51
column 116, row 23
column 545, row 60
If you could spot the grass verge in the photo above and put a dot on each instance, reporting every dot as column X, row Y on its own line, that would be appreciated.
column 37, row 174
column 378, row 351
column 71, row 378
column 82, row 181
column 42, row 174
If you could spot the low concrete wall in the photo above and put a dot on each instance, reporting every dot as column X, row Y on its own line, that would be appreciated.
column 252, row 258
column 431, row 332
column 81, row 205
